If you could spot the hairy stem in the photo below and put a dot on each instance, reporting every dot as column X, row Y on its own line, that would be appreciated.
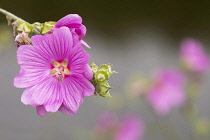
column 10, row 15
column 13, row 17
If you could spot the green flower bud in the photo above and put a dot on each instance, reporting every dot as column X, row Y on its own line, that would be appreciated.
column 100, row 79
column 47, row 27
column 107, row 68
column 37, row 26
column 23, row 26
column 94, row 68
column 103, row 89
column 101, row 76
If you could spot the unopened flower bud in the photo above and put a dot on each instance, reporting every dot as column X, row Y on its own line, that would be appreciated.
column 101, row 76
column 24, row 27
column 107, row 69
column 94, row 68
column 47, row 27
column 37, row 26
column 100, row 79
column 22, row 39
column 103, row 89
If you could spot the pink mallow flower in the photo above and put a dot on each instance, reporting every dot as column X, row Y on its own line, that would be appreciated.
column 54, row 72
column 167, row 91
column 130, row 128
column 110, row 127
column 74, row 23
column 194, row 56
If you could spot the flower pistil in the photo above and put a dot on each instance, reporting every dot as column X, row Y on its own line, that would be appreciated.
column 60, row 70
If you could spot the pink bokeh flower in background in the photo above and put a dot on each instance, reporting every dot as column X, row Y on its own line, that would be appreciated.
column 167, row 91
column 111, row 127
column 74, row 23
column 131, row 128
column 193, row 56
column 107, row 120
column 54, row 72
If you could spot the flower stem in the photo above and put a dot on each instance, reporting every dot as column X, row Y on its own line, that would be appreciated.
column 10, row 15
column 13, row 17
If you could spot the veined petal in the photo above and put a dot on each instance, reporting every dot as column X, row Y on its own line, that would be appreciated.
column 71, row 20
column 47, row 93
column 29, row 57
column 65, row 110
column 56, row 46
column 78, row 59
column 82, row 83
column 88, row 72
column 34, row 67
column 75, row 88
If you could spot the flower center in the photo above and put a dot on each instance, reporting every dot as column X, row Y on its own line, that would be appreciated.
column 60, row 70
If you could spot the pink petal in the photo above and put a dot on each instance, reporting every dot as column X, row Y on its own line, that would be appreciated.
column 74, row 23
column 75, row 88
column 71, row 20
column 78, row 59
column 86, row 85
column 34, row 67
column 84, row 43
column 56, row 46
column 47, row 93
column 64, row 110
column 88, row 72
column 41, row 110
column 81, row 31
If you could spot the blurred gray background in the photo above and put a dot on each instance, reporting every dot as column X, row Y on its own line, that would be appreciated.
column 137, row 37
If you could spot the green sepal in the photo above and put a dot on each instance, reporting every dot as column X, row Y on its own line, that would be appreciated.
column 37, row 27
column 100, row 79
column 101, row 76
column 24, row 26
column 47, row 27
column 107, row 68
column 94, row 68
column 103, row 89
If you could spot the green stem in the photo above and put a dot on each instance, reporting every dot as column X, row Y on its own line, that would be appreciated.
column 10, row 15
column 13, row 17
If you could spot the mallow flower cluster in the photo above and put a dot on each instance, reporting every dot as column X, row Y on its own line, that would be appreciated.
column 54, row 66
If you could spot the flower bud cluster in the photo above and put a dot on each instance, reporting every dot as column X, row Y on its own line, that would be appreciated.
column 100, row 79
